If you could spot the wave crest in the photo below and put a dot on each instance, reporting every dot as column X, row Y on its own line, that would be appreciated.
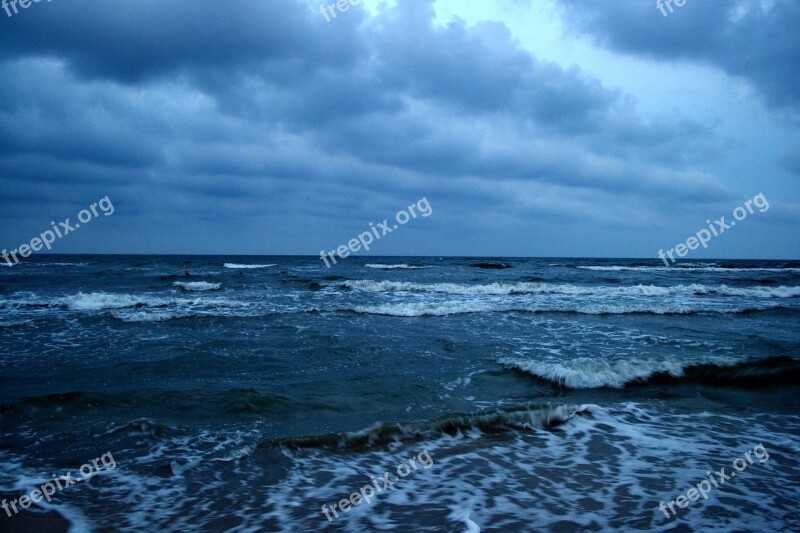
column 421, row 309
column 587, row 373
column 695, row 267
column 197, row 285
column 238, row 266
column 401, row 266
column 546, row 417
column 502, row 289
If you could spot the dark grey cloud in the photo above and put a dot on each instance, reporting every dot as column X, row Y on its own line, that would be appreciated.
column 481, row 70
column 230, row 118
column 133, row 41
column 756, row 40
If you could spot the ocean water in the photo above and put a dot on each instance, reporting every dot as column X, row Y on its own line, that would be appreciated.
column 547, row 394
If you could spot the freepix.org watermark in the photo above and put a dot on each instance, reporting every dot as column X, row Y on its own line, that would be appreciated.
column 365, row 239
column 718, row 478
column 48, row 237
column 716, row 229
column 47, row 490
column 12, row 4
column 366, row 493
column 668, row 3
column 341, row 6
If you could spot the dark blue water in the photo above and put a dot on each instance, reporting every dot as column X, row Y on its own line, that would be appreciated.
column 550, row 394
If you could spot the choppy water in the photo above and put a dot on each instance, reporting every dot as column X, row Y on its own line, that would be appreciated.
column 551, row 394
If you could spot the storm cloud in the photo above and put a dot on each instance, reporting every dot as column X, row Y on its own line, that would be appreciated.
column 258, row 127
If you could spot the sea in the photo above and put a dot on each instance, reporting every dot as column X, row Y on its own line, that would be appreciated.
column 468, row 394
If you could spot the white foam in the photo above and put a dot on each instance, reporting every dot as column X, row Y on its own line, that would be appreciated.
column 445, row 308
column 98, row 301
column 239, row 266
column 499, row 289
column 148, row 316
column 149, row 308
column 418, row 309
column 401, row 266
column 684, row 268
column 198, row 285
column 616, row 462
column 463, row 515
column 59, row 264
column 758, row 292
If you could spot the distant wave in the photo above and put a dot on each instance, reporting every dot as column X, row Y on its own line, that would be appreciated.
column 240, row 267
column 491, row 266
column 693, row 268
column 150, row 315
column 103, row 301
column 32, row 264
column 59, row 264
column 436, row 299
column 498, row 289
column 586, row 373
column 401, row 266
column 183, row 308
column 420, row 309
column 100, row 301
column 197, row 285
column 149, row 308
column 224, row 402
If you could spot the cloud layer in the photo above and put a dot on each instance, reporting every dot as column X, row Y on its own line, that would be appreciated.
column 264, row 129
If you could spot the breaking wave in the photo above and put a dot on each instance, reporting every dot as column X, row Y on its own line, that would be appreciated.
column 587, row 373
column 245, row 267
column 524, row 418
column 197, row 285
column 100, row 301
column 144, row 308
column 420, row 309
column 498, row 289
column 693, row 268
column 401, row 266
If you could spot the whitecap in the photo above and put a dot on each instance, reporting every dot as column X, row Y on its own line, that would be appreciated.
column 197, row 285
column 401, row 266
column 500, row 289
column 685, row 268
column 240, row 266
column 589, row 373
column 446, row 308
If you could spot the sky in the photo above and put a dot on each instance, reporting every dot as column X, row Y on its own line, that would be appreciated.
column 532, row 127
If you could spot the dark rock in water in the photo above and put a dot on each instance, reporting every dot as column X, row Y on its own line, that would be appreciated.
column 447, row 345
column 110, row 273
column 490, row 266
column 767, row 281
column 307, row 282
